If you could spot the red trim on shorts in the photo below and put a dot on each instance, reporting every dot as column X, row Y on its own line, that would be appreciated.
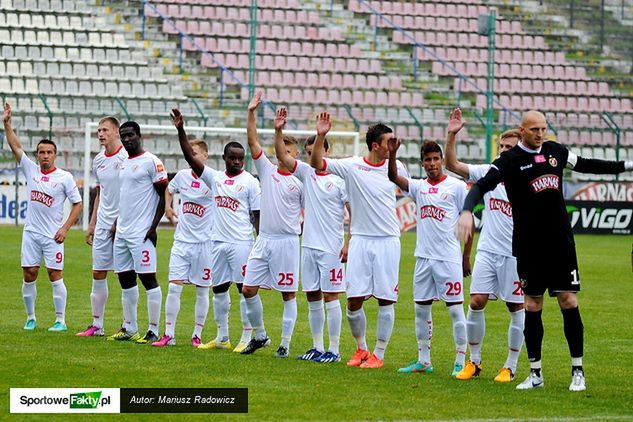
column 438, row 182
column 261, row 152
column 230, row 177
column 374, row 165
column 48, row 171
column 114, row 153
column 129, row 158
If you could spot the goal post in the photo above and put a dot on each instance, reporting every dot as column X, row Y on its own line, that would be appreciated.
column 173, row 148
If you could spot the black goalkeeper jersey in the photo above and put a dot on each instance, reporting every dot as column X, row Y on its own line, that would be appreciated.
column 534, row 183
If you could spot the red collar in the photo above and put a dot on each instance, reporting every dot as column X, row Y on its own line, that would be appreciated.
column 114, row 153
column 48, row 171
column 284, row 173
column 438, row 182
column 374, row 165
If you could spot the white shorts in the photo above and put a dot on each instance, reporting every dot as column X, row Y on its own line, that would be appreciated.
column 228, row 261
column 274, row 264
column 36, row 246
column 321, row 271
column 496, row 276
column 134, row 254
column 102, row 251
column 191, row 262
column 373, row 266
column 438, row 280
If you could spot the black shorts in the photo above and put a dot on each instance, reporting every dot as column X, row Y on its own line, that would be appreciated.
column 555, row 272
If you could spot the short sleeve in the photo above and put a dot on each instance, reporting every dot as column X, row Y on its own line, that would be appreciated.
column 254, row 194
column 173, row 186
column 460, row 195
column 94, row 171
column 158, row 173
column 477, row 171
column 414, row 186
column 302, row 170
column 208, row 177
column 263, row 164
column 71, row 190
column 339, row 167
column 343, row 190
column 402, row 169
column 28, row 166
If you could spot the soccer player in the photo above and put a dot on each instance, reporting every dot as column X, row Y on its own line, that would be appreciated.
column 190, row 257
column 274, row 260
column 44, row 233
column 237, row 196
column 106, row 167
column 322, row 272
column 438, row 268
column 542, row 241
column 495, row 273
column 374, row 250
column 143, row 181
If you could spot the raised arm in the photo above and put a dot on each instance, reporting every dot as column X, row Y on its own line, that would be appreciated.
column 251, row 125
column 324, row 124
column 455, row 124
column 12, row 138
column 400, row 181
column 280, row 149
column 196, row 165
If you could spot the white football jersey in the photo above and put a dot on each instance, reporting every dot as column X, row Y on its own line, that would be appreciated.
column 496, row 233
column 196, row 215
column 371, row 195
column 235, row 198
column 325, row 198
column 106, row 169
column 138, row 198
column 47, row 192
column 282, row 199
column 437, row 211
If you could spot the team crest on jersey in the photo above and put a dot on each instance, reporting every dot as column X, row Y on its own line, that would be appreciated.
column 43, row 198
column 547, row 181
column 193, row 208
column 444, row 196
column 329, row 185
column 523, row 283
column 553, row 162
column 239, row 188
column 195, row 184
column 227, row 202
column 499, row 205
column 134, row 167
column 431, row 211
column 292, row 188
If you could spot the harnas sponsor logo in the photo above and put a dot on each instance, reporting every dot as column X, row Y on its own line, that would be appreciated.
column 500, row 205
column 430, row 211
column 43, row 198
column 227, row 202
column 547, row 181
column 193, row 208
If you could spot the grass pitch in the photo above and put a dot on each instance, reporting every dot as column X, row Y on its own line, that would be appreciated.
column 287, row 389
